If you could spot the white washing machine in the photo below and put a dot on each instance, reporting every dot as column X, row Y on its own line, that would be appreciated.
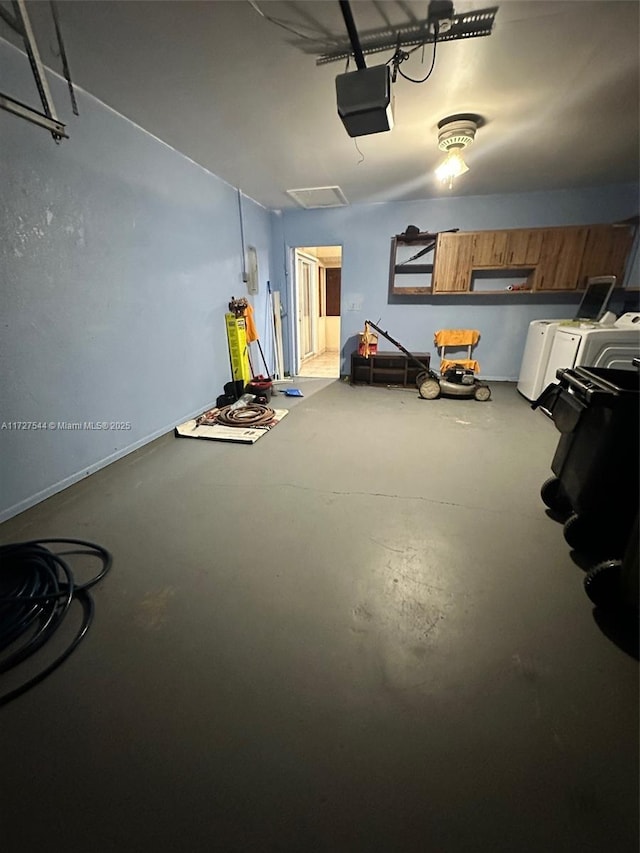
column 541, row 334
column 536, row 357
column 592, row 345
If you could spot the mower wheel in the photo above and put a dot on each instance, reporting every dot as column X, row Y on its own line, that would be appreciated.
column 482, row 393
column 421, row 377
column 429, row 389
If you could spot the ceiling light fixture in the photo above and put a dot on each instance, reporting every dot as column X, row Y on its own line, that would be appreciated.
column 454, row 135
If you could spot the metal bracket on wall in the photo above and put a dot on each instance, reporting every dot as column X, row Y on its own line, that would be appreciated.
column 20, row 23
column 56, row 127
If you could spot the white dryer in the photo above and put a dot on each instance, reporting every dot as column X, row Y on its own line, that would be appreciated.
column 535, row 358
column 592, row 345
column 541, row 334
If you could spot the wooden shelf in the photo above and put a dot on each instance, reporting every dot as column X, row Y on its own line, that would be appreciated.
column 553, row 260
column 428, row 291
column 386, row 368
column 497, row 292
column 406, row 269
column 415, row 244
column 412, row 291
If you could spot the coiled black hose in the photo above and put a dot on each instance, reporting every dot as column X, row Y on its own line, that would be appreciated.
column 37, row 589
column 251, row 415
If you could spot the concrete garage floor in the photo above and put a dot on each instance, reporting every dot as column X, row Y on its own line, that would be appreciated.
column 361, row 634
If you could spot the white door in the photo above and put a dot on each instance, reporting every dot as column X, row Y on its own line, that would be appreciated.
column 307, row 307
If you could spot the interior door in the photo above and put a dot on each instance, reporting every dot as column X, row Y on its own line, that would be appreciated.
column 306, row 294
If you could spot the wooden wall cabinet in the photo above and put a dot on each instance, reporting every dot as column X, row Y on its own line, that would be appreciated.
column 553, row 259
column 606, row 251
column 452, row 265
column 489, row 249
column 511, row 249
column 560, row 259
column 523, row 247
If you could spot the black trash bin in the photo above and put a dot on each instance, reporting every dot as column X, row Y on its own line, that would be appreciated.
column 597, row 412
column 615, row 584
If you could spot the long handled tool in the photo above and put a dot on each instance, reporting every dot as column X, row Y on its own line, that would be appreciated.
column 410, row 355
column 264, row 361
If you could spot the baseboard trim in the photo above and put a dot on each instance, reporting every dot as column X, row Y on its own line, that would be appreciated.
column 61, row 485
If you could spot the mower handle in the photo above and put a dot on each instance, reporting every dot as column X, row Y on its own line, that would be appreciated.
column 401, row 348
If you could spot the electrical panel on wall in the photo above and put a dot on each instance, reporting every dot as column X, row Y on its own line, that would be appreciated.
column 252, row 270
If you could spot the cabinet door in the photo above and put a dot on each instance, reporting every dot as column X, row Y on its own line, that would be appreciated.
column 606, row 251
column 489, row 249
column 452, row 267
column 523, row 247
column 560, row 258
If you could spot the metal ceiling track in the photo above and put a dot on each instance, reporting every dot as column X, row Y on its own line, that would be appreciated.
column 20, row 23
column 354, row 38
column 463, row 26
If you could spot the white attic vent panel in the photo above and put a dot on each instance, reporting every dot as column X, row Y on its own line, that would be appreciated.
column 319, row 197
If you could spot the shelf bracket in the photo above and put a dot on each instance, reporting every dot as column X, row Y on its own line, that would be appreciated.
column 20, row 23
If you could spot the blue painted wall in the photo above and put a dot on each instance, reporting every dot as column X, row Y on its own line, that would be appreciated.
column 118, row 257
column 257, row 233
column 365, row 233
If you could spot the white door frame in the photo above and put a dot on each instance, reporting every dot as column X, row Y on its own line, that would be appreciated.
column 304, row 264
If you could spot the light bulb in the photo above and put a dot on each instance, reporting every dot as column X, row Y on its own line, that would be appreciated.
column 451, row 167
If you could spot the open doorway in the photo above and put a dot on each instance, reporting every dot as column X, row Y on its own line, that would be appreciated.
column 318, row 271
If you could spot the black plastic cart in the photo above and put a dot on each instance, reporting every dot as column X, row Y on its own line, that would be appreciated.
column 596, row 463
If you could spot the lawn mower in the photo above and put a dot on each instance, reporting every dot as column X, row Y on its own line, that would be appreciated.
column 457, row 378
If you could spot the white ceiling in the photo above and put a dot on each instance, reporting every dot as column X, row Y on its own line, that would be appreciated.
column 557, row 84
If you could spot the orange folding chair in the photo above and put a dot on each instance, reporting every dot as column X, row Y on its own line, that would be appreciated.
column 457, row 339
